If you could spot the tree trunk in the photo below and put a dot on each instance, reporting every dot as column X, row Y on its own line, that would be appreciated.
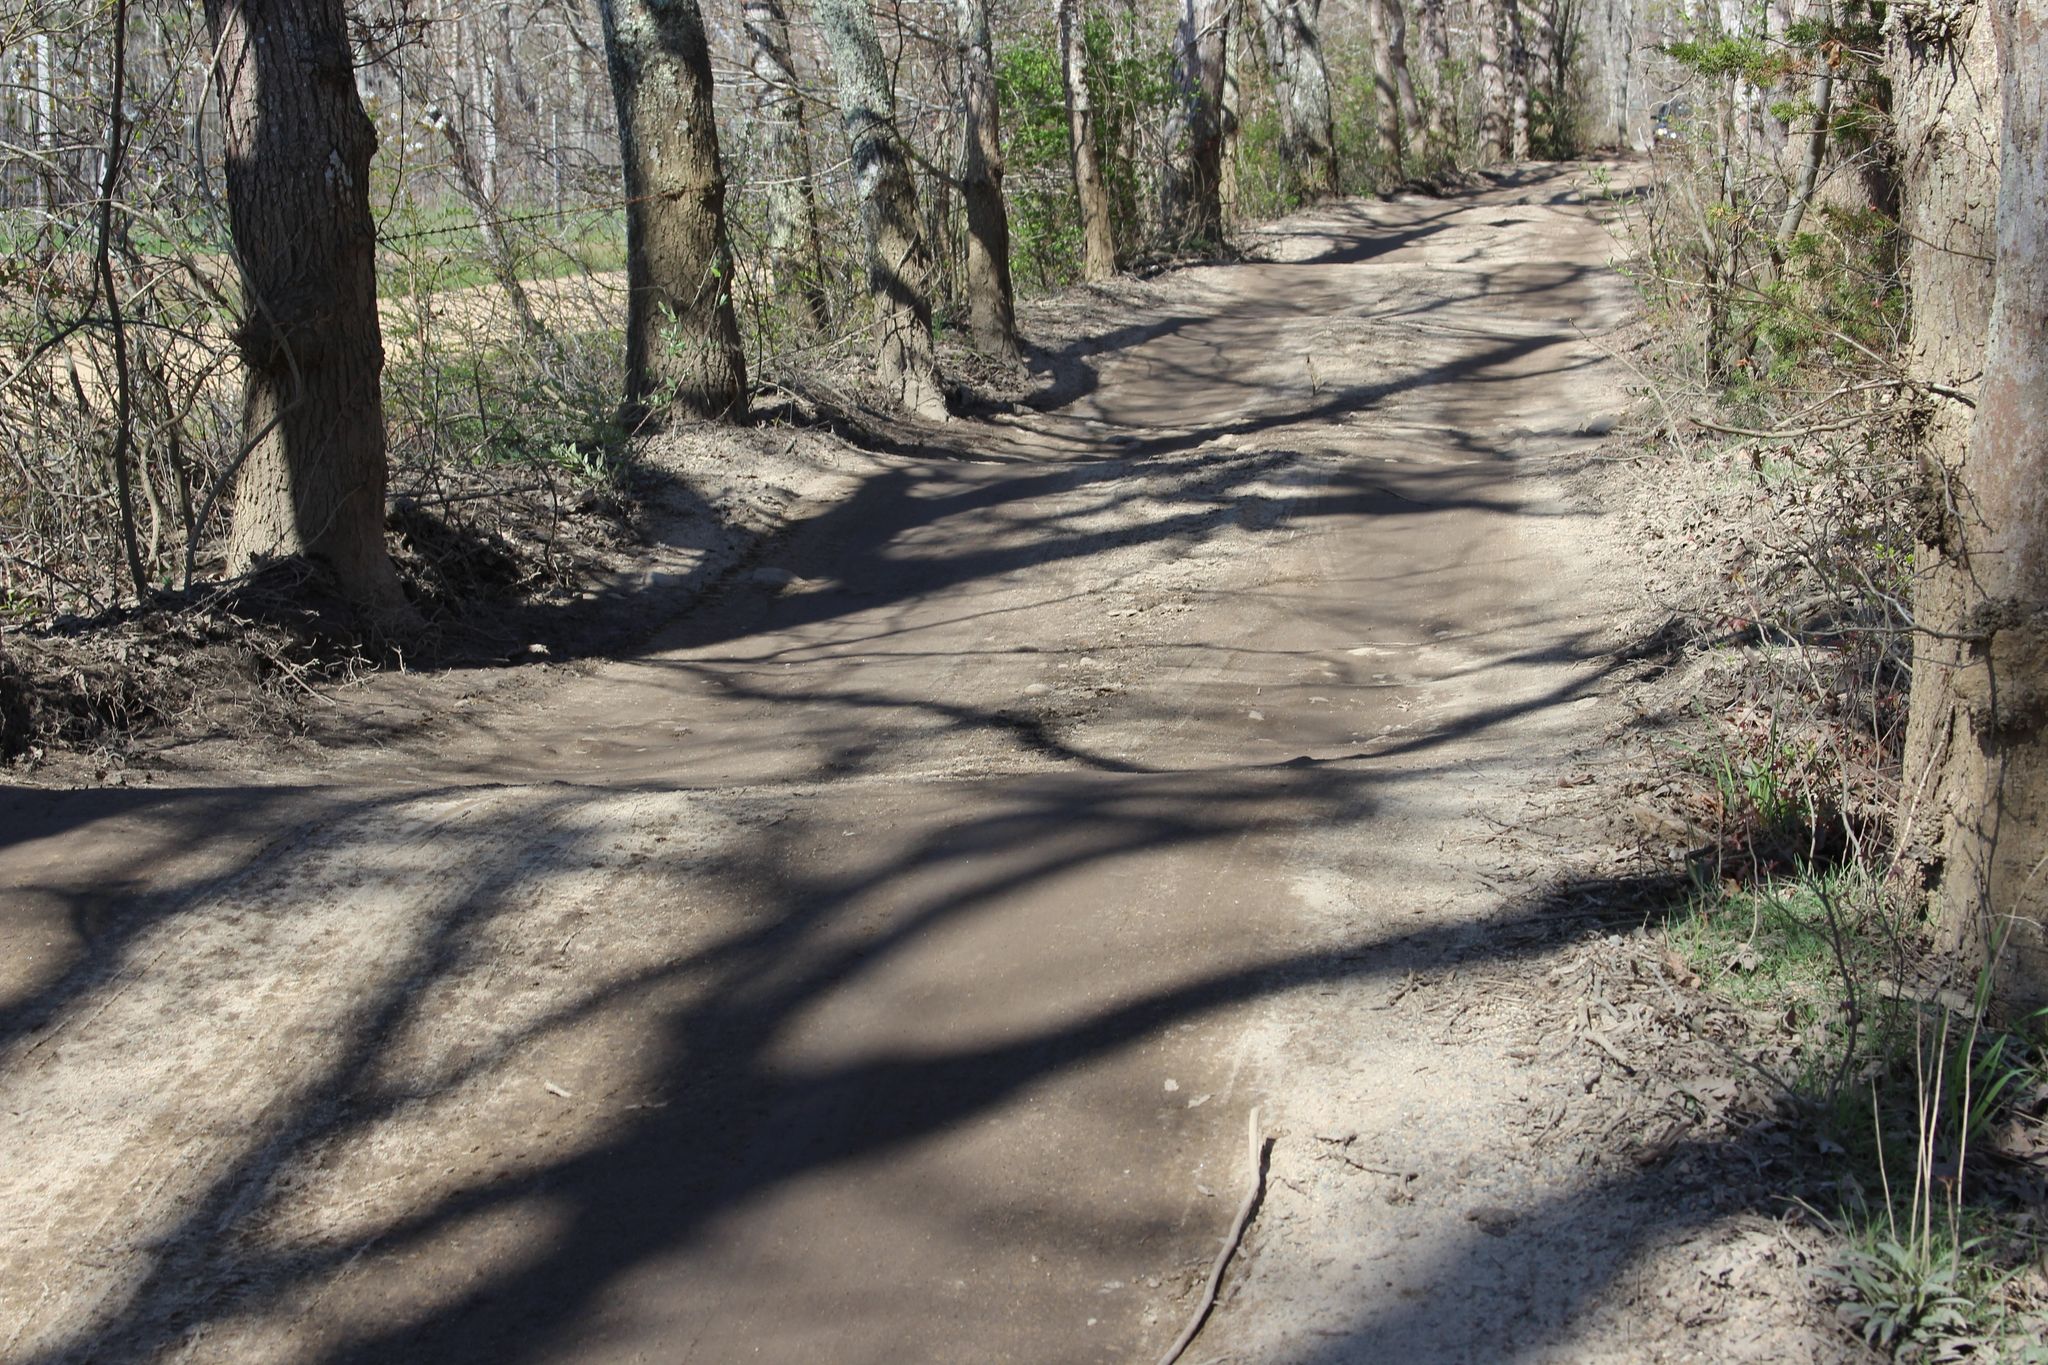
column 1436, row 56
column 298, row 147
column 795, row 252
column 1098, row 235
column 1404, row 79
column 991, row 305
column 1194, row 182
column 1228, row 192
column 1301, row 89
column 1816, row 151
column 682, row 339
column 1977, row 749
column 1518, row 80
column 1493, row 90
column 899, row 264
column 1384, row 18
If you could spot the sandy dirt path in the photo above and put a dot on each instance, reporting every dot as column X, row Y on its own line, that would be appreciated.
column 880, row 965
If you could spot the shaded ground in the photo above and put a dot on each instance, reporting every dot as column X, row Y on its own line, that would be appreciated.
column 880, row 963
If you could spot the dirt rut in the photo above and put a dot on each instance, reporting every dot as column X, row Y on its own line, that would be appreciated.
column 880, row 964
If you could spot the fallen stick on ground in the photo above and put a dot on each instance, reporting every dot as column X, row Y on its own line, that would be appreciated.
column 1230, row 1244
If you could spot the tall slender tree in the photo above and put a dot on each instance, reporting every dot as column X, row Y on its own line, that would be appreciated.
column 991, row 307
column 298, row 148
column 795, row 251
column 899, row 262
column 1098, row 233
column 1517, row 73
column 1493, row 88
column 682, row 337
column 1436, row 60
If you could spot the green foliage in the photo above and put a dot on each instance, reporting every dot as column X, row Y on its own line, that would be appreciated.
column 1896, row 1292
column 1727, row 55
column 1045, row 216
column 460, row 407
column 1781, row 940
column 1775, row 297
column 1129, row 87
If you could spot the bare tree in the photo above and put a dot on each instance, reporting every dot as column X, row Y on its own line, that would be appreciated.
column 1301, row 89
column 1436, row 59
column 1977, row 749
column 899, row 263
column 1393, row 90
column 682, row 338
column 1493, row 88
column 794, row 248
column 991, row 307
column 1098, row 235
column 298, row 149
column 1518, row 80
column 1193, row 207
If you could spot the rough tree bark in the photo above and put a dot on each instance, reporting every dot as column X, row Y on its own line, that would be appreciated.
column 1393, row 90
column 991, row 304
column 682, row 339
column 1098, row 234
column 899, row 263
column 1301, row 89
column 298, row 148
column 1404, row 79
column 795, row 253
column 1977, row 745
column 1194, row 181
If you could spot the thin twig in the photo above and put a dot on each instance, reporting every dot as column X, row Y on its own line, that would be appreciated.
column 1790, row 434
column 1259, row 1149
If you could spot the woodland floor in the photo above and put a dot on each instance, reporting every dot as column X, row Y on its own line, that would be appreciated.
column 879, row 960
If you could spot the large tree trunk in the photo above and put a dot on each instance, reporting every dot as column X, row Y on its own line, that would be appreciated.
column 1098, row 234
column 1194, row 181
column 899, row 264
column 1977, row 749
column 1301, row 81
column 682, row 339
column 298, row 148
column 991, row 306
column 795, row 253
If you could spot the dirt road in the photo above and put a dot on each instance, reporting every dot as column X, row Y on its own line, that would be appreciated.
column 880, row 965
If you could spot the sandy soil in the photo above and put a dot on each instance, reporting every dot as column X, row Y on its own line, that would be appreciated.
column 880, row 963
